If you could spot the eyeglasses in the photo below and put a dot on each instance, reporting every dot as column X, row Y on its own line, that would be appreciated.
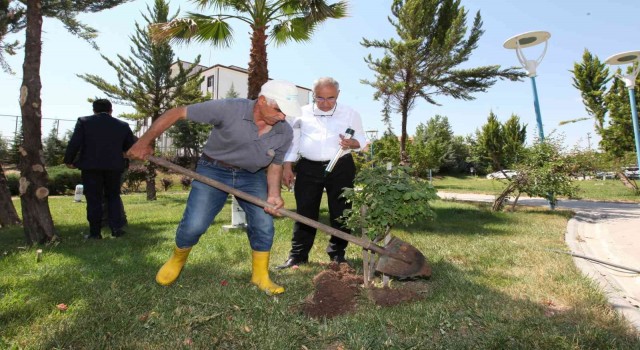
column 322, row 99
column 333, row 110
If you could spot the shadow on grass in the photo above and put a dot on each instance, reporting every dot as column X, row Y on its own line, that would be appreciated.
column 114, row 301
column 213, row 304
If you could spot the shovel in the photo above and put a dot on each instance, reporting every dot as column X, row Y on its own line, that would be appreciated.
column 397, row 258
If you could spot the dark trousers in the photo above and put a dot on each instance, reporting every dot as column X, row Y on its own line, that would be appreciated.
column 99, row 184
column 309, row 185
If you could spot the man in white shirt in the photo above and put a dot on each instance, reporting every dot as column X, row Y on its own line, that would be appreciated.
column 318, row 135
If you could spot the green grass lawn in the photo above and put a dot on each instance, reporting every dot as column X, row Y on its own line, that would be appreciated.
column 598, row 190
column 494, row 286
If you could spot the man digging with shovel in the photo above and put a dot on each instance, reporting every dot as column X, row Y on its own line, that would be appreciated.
column 245, row 151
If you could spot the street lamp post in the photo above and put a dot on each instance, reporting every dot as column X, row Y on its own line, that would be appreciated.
column 373, row 136
column 519, row 42
column 623, row 58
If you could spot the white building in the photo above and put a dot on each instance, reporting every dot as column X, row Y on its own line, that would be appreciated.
column 218, row 80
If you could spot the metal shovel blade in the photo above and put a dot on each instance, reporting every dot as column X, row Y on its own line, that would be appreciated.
column 405, row 261
column 398, row 258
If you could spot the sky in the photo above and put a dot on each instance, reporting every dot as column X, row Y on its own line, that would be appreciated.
column 603, row 27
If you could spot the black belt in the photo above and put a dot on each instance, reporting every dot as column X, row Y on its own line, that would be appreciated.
column 219, row 162
column 324, row 162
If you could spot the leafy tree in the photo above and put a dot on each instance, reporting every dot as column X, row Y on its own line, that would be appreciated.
column 146, row 81
column 38, row 224
column 544, row 172
column 422, row 62
column 461, row 152
column 591, row 77
column 386, row 199
column 54, row 148
column 548, row 172
column 12, row 20
column 432, row 146
column 287, row 20
column 386, row 148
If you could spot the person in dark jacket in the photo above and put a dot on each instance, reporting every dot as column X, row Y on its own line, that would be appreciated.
column 100, row 140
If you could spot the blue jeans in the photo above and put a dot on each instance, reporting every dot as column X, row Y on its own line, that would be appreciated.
column 205, row 202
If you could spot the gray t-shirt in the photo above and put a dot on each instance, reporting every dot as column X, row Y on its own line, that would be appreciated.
column 234, row 138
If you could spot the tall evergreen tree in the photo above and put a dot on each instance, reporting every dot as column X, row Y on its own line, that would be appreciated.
column 190, row 136
column 514, row 136
column 38, row 224
column 146, row 81
column 4, row 149
column 8, row 213
column 490, row 143
column 618, row 136
column 14, row 150
column 54, row 148
column 591, row 77
column 422, row 62
column 232, row 93
column 287, row 20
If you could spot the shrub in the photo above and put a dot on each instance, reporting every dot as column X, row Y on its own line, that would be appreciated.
column 186, row 182
column 135, row 177
column 62, row 180
column 13, row 183
column 166, row 183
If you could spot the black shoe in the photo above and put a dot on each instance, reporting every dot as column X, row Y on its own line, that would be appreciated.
column 118, row 233
column 338, row 259
column 292, row 262
column 98, row 236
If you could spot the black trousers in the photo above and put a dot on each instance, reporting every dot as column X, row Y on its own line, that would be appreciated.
column 309, row 185
column 99, row 184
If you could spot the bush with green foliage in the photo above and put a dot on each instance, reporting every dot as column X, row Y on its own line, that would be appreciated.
column 166, row 183
column 185, row 181
column 391, row 197
column 136, row 175
column 62, row 180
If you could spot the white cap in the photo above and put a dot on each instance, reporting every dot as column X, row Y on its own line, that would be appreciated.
column 285, row 94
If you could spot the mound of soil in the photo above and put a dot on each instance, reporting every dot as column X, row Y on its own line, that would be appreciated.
column 336, row 290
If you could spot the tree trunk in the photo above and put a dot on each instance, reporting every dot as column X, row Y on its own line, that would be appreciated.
column 150, row 178
column 8, row 213
column 151, row 181
column 258, row 71
column 404, row 157
column 34, row 194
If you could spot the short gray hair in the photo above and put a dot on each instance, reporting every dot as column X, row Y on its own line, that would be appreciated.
column 324, row 81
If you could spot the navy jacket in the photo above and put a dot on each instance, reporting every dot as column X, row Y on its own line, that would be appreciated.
column 101, row 141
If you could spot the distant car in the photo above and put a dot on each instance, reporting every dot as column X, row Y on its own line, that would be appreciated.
column 503, row 174
column 631, row 172
column 605, row 175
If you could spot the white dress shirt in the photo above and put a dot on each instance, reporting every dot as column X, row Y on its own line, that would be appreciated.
column 316, row 133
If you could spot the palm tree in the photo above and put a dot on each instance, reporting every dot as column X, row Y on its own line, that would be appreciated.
column 286, row 20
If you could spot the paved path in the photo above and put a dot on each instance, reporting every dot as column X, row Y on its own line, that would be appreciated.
column 605, row 231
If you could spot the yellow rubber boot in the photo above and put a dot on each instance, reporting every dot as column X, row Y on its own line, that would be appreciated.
column 260, row 274
column 170, row 271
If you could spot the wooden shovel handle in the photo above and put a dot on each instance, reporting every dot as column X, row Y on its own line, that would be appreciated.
column 284, row 212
